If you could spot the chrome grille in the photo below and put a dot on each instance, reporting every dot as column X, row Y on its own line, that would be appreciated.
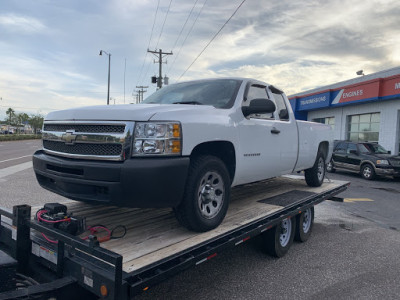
column 395, row 162
column 84, row 149
column 93, row 140
column 85, row 128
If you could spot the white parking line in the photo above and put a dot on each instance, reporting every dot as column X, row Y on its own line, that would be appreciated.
column 14, row 169
column 1, row 161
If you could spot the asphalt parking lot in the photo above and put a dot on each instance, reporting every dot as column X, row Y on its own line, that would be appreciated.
column 352, row 254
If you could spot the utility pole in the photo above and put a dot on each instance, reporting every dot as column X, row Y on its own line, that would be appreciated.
column 160, row 55
column 141, row 92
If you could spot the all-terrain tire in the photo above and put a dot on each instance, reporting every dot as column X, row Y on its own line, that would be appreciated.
column 206, row 197
column 315, row 175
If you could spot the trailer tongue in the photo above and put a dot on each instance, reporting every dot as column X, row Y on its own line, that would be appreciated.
column 147, row 245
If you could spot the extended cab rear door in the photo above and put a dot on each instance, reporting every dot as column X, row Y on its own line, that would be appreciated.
column 285, row 124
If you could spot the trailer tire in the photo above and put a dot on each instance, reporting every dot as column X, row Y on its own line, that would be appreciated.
column 315, row 175
column 206, row 197
column 304, row 224
column 278, row 239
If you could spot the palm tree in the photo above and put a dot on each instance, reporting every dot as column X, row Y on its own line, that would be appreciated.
column 10, row 112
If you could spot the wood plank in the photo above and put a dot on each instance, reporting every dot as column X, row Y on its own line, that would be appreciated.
column 154, row 234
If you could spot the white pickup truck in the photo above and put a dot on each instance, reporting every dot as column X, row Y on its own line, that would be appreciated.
column 183, row 147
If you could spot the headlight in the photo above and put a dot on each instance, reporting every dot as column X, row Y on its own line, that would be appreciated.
column 157, row 138
column 382, row 162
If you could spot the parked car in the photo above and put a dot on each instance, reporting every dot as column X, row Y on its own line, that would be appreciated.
column 368, row 159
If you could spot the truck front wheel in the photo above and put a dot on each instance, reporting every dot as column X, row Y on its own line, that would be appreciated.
column 206, row 198
column 315, row 175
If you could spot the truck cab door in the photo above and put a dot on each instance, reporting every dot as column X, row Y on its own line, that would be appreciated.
column 259, row 156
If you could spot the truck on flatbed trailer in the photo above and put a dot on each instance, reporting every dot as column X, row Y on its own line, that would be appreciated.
column 146, row 246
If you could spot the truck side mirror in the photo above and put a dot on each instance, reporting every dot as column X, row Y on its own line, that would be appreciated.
column 259, row 106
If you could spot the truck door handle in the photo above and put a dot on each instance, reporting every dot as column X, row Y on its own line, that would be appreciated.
column 275, row 131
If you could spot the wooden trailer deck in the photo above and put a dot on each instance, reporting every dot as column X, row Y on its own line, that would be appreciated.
column 154, row 234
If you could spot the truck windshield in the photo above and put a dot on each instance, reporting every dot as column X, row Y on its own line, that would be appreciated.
column 220, row 93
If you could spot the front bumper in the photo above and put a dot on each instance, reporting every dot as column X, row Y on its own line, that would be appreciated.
column 387, row 170
column 135, row 182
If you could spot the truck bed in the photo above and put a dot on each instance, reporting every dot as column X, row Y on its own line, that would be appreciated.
column 154, row 234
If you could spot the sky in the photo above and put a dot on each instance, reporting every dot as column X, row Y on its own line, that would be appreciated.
column 49, row 50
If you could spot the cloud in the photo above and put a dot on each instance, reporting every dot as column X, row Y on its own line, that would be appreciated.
column 21, row 24
column 49, row 50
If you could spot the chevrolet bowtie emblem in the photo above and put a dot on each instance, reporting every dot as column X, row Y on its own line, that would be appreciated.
column 69, row 137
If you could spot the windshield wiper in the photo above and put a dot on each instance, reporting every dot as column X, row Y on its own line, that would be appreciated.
column 188, row 102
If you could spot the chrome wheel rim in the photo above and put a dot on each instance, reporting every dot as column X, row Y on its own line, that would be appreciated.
column 367, row 172
column 210, row 194
column 307, row 220
column 286, row 232
column 321, row 169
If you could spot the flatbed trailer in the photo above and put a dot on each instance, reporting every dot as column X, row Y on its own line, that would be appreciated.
column 154, row 248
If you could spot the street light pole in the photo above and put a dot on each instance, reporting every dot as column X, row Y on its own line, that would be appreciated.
column 109, row 66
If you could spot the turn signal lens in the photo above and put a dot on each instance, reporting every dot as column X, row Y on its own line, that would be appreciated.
column 157, row 138
column 103, row 291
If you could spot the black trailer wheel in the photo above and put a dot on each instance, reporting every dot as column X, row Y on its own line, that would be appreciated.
column 278, row 239
column 315, row 175
column 304, row 224
column 368, row 172
column 206, row 198
column 329, row 167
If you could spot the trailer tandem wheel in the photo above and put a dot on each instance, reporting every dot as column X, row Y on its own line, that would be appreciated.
column 304, row 224
column 278, row 239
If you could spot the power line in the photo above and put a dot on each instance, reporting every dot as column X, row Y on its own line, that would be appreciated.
column 165, row 19
column 148, row 45
column 208, row 44
column 184, row 25
column 162, row 29
column 187, row 35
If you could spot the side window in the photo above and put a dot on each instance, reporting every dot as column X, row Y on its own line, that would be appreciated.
column 351, row 147
column 256, row 91
column 341, row 147
column 281, row 108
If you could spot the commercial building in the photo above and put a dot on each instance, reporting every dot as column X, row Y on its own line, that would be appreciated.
column 366, row 108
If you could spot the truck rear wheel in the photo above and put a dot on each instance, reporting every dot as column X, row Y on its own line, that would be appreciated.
column 304, row 224
column 206, row 198
column 315, row 175
column 278, row 239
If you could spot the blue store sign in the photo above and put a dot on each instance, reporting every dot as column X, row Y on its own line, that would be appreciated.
column 313, row 102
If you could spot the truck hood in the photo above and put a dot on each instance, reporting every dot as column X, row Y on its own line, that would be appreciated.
column 129, row 112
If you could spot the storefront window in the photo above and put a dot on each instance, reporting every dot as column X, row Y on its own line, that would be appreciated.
column 328, row 121
column 363, row 128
